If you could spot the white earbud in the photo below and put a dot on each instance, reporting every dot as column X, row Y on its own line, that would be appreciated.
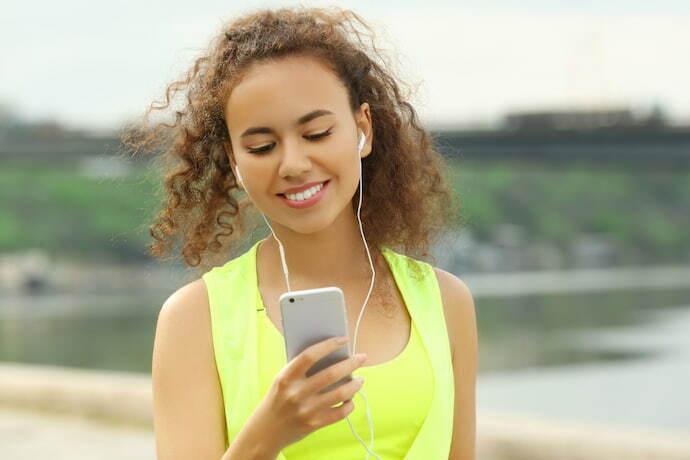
column 239, row 176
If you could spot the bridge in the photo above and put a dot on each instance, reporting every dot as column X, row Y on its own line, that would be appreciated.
column 666, row 148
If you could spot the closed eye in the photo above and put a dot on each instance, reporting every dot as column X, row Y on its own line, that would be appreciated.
column 312, row 137
column 319, row 135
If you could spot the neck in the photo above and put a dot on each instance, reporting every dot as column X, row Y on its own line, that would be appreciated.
column 334, row 256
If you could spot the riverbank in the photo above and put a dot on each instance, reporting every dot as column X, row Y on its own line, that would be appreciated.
column 510, row 284
column 74, row 413
column 70, row 279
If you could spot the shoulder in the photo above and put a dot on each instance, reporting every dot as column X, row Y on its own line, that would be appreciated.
column 452, row 286
column 184, row 320
column 189, row 302
column 458, row 306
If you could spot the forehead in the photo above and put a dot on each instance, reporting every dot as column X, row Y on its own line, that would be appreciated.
column 279, row 92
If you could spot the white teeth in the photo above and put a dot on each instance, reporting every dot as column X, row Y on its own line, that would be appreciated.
column 301, row 196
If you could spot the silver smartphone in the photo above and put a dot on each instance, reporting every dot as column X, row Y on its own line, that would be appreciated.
column 311, row 316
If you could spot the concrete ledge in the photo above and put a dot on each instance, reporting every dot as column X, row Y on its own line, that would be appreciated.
column 118, row 397
column 125, row 398
column 32, row 435
column 517, row 437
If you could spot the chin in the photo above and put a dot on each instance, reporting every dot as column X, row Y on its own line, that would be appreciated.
column 313, row 222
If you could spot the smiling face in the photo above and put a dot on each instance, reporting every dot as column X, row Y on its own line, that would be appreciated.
column 290, row 124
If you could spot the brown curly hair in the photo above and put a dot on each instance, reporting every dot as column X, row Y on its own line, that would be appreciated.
column 406, row 201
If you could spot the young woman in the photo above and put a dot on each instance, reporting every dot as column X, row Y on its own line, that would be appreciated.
column 282, row 101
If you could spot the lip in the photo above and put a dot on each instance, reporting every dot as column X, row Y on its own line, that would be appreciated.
column 309, row 202
column 302, row 188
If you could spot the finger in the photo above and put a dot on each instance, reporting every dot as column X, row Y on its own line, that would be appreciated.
column 336, row 414
column 299, row 366
column 342, row 393
column 334, row 373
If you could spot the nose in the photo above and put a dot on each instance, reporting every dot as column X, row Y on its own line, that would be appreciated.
column 295, row 161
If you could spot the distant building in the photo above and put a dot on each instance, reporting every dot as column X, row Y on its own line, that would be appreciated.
column 580, row 120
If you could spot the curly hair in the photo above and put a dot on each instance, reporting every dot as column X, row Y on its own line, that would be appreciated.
column 406, row 201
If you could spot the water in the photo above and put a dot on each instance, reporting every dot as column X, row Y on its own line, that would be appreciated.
column 621, row 356
column 112, row 332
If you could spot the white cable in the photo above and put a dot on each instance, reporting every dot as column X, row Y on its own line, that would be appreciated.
column 371, row 286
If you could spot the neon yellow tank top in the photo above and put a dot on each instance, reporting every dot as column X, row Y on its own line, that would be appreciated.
column 410, row 397
column 397, row 411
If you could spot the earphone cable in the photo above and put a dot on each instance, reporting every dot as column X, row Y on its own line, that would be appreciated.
column 369, row 448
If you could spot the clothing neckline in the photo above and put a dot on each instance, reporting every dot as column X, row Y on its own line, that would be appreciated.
column 262, row 310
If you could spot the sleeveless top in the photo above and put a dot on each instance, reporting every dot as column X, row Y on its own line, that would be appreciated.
column 410, row 398
column 397, row 411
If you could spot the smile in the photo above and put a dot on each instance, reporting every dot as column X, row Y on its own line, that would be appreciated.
column 306, row 198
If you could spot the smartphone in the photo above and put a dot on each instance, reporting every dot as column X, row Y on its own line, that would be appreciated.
column 311, row 316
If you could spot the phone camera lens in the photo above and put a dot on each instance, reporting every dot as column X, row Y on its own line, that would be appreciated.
column 292, row 299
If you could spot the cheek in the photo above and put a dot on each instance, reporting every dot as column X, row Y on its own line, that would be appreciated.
column 347, row 168
column 256, row 176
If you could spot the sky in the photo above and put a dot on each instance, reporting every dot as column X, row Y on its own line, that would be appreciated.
column 94, row 65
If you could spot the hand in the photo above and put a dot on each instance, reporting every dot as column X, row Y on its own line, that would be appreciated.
column 295, row 404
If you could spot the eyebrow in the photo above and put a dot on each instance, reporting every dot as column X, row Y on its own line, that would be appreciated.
column 302, row 120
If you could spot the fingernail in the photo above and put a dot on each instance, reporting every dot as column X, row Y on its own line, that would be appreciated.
column 341, row 340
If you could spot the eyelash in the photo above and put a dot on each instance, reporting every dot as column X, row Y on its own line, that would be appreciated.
column 266, row 148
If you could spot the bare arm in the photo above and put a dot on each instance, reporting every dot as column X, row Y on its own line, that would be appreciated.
column 461, row 318
column 189, row 419
column 250, row 444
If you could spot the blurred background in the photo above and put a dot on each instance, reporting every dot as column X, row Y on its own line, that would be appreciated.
column 567, row 126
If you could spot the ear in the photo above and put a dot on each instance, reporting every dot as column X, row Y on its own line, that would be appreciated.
column 364, row 124
column 228, row 151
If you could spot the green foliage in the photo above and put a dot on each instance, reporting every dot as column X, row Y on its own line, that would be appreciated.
column 645, row 212
column 56, row 207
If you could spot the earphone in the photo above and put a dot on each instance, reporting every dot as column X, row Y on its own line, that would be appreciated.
column 362, row 139
column 239, row 176
column 360, row 146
